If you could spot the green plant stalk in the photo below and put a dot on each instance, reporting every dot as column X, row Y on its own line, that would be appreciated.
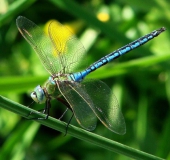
column 76, row 132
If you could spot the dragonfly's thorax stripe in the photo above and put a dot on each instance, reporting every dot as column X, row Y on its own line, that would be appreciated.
column 50, row 87
column 59, row 77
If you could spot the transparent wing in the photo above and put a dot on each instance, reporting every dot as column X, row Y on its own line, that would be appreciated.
column 105, row 105
column 58, row 54
column 100, row 101
column 80, row 102
column 40, row 42
column 67, row 47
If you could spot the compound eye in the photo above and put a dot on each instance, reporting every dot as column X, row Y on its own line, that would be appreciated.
column 34, row 97
column 38, row 95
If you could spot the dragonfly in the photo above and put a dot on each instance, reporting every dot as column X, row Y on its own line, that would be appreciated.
column 61, row 53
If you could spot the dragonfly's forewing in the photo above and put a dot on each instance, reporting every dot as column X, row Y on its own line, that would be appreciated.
column 105, row 105
column 67, row 47
column 80, row 102
column 40, row 42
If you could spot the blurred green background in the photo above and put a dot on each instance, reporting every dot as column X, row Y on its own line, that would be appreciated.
column 140, row 79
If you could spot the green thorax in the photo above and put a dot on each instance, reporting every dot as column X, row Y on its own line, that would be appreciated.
column 51, row 87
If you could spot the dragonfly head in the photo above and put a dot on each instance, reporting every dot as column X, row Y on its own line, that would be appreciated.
column 38, row 95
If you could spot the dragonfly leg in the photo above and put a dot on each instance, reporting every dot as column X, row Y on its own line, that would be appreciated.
column 68, row 124
column 29, row 107
column 44, row 111
column 63, row 114
column 30, row 104
column 66, row 104
column 68, row 107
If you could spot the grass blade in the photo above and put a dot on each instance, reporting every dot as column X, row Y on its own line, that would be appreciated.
column 77, row 132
